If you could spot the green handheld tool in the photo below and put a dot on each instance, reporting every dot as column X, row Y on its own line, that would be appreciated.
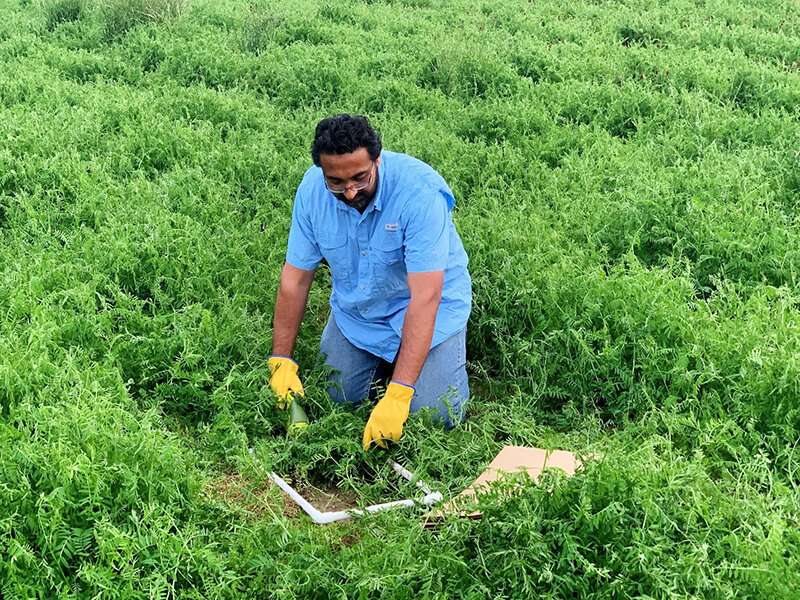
column 297, row 417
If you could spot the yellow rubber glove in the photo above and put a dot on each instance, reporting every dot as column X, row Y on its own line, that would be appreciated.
column 284, row 380
column 388, row 416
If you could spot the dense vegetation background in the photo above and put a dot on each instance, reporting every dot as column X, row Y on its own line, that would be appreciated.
column 628, row 184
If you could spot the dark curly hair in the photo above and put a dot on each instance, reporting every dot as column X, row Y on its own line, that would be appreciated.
column 342, row 134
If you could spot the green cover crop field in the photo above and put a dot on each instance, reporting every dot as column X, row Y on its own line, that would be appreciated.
column 628, row 186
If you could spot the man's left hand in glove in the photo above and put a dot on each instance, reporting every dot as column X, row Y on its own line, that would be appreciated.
column 388, row 416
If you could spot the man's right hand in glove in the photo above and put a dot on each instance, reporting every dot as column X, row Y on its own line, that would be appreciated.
column 284, row 380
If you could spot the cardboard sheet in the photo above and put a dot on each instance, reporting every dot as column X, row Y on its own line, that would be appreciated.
column 510, row 459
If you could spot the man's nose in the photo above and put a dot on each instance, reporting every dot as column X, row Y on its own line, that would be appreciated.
column 350, row 193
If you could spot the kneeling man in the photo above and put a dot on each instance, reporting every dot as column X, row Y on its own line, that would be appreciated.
column 401, row 290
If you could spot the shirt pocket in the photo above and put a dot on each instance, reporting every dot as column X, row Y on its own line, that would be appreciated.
column 390, row 267
column 336, row 253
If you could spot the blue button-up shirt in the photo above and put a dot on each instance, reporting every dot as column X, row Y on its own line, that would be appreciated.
column 406, row 229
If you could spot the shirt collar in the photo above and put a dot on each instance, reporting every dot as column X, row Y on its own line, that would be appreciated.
column 378, row 200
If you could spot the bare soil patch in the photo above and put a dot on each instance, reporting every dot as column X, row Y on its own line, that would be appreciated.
column 327, row 498
column 234, row 490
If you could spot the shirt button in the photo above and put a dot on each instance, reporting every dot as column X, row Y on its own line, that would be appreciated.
column 364, row 253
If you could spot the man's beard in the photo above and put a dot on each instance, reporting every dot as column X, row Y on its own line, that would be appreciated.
column 360, row 202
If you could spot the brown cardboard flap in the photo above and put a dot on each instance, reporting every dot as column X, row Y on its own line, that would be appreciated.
column 511, row 459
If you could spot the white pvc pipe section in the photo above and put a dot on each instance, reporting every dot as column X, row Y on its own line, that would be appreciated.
column 405, row 473
column 323, row 518
column 304, row 504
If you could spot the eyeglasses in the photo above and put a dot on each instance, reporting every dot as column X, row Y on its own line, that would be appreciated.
column 359, row 183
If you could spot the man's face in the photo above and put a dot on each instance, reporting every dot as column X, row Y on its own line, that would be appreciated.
column 352, row 178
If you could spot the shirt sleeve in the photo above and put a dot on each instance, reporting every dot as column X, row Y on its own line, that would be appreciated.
column 303, row 251
column 427, row 235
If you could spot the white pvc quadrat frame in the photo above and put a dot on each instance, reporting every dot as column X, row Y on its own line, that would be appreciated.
column 323, row 518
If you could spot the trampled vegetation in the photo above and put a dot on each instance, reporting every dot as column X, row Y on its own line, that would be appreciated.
column 628, row 184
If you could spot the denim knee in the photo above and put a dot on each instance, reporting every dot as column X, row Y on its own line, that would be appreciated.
column 352, row 369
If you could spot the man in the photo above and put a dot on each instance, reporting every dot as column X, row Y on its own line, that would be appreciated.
column 401, row 291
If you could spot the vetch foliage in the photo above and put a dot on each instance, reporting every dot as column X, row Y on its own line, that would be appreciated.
column 119, row 16
column 57, row 12
column 626, row 183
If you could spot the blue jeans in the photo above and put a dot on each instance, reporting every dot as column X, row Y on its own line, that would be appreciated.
column 442, row 384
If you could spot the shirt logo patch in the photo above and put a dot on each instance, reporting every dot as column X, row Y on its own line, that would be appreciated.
column 390, row 227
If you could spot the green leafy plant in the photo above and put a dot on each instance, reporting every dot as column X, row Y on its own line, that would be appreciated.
column 627, row 192
column 120, row 16
column 57, row 12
